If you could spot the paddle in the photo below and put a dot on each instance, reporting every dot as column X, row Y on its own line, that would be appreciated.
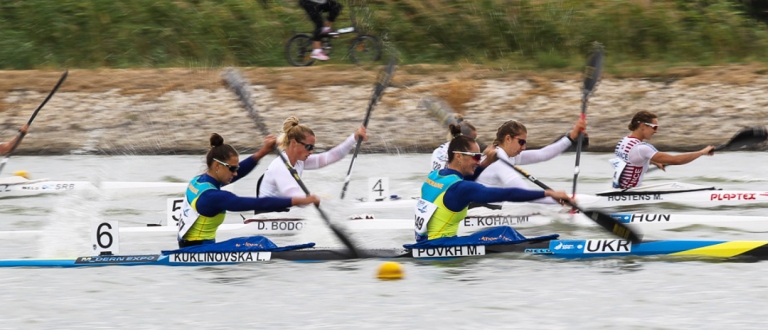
column 591, row 77
column 602, row 219
column 34, row 114
column 385, row 76
column 744, row 138
column 239, row 86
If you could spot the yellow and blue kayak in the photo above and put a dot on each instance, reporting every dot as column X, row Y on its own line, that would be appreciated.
column 557, row 248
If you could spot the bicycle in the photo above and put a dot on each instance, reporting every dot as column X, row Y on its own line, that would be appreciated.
column 365, row 48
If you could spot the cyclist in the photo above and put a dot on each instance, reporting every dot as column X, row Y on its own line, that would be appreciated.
column 315, row 9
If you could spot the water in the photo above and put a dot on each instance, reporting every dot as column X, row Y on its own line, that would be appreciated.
column 501, row 291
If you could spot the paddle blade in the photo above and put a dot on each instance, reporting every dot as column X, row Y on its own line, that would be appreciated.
column 594, row 69
column 745, row 138
column 439, row 109
column 611, row 224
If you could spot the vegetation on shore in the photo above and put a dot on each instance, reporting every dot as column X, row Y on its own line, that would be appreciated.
column 506, row 34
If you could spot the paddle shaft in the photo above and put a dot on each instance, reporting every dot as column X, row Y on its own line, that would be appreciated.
column 371, row 104
column 342, row 237
column 602, row 219
column 579, row 142
column 34, row 114
column 238, row 85
column 381, row 85
column 591, row 77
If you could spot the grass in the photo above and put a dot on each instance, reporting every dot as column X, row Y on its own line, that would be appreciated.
column 640, row 36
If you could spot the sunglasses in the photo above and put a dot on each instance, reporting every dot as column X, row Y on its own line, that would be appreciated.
column 475, row 155
column 654, row 126
column 232, row 168
column 307, row 146
column 521, row 141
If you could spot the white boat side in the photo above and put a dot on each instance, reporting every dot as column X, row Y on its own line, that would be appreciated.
column 675, row 192
column 20, row 187
column 649, row 224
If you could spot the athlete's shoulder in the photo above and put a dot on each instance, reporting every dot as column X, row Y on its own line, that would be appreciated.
column 646, row 144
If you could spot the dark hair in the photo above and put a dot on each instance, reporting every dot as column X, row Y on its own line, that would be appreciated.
column 639, row 118
column 292, row 130
column 459, row 142
column 465, row 127
column 510, row 127
column 219, row 150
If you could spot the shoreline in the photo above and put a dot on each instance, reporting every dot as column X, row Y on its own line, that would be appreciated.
column 173, row 111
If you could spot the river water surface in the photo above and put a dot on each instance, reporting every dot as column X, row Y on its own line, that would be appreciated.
column 493, row 292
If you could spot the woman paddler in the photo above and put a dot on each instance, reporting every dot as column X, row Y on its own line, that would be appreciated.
column 206, row 205
column 447, row 193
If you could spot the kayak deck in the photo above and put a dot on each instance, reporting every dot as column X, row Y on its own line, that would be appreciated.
column 565, row 249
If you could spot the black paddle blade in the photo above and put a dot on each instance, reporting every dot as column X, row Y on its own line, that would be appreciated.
column 745, row 138
column 594, row 69
column 611, row 224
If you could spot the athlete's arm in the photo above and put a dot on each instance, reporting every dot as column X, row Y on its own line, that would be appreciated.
column 213, row 202
column 665, row 158
column 509, row 178
column 336, row 154
column 543, row 154
column 458, row 196
column 249, row 163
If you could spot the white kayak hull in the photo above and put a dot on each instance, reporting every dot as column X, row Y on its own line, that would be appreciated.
column 652, row 225
column 701, row 199
column 12, row 189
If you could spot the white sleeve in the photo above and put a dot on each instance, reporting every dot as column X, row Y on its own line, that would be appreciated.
column 543, row 154
column 278, row 182
column 336, row 154
column 439, row 157
column 500, row 175
column 642, row 153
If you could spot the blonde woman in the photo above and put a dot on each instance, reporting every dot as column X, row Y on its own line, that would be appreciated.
column 298, row 145
column 206, row 205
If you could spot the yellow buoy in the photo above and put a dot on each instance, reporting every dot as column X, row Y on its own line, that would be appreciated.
column 23, row 174
column 390, row 270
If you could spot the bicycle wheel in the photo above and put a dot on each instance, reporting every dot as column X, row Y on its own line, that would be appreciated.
column 298, row 49
column 365, row 49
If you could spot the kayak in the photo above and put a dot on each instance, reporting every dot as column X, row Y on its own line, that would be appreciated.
column 16, row 186
column 652, row 225
column 674, row 192
column 556, row 248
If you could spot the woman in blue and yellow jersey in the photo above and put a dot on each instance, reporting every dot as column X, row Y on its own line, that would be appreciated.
column 206, row 205
column 447, row 193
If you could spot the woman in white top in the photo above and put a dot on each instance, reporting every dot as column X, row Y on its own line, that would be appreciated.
column 510, row 146
column 633, row 156
column 298, row 144
column 440, row 155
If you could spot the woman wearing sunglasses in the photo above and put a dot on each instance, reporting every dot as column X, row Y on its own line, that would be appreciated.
column 447, row 193
column 206, row 205
column 510, row 146
column 633, row 156
column 298, row 144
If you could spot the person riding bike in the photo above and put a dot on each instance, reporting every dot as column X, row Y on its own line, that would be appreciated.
column 315, row 9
